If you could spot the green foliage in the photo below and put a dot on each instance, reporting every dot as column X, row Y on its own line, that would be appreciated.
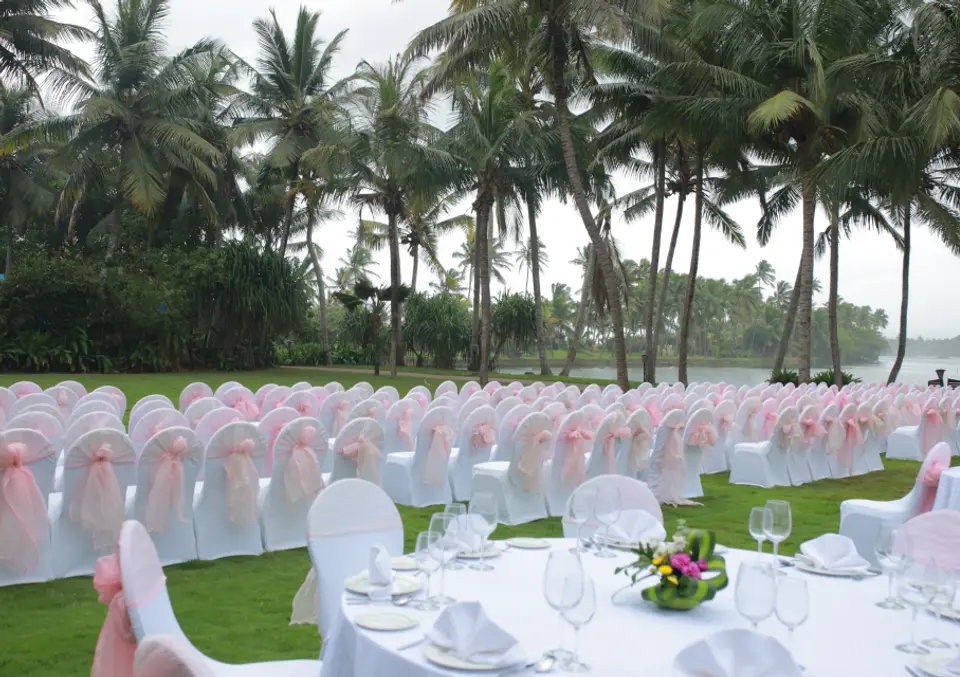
column 514, row 322
column 438, row 326
column 827, row 377
column 301, row 355
column 785, row 376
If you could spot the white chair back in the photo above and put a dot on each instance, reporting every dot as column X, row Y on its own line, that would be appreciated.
column 153, row 422
column 507, row 431
column 65, row 397
column 304, row 402
column 401, row 425
column 213, row 420
column 33, row 399
column 200, row 408
column 191, row 393
column 369, row 408
column 358, row 451
column 270, row 427
column 95, row 420
column 44, row 423
column 273, row 399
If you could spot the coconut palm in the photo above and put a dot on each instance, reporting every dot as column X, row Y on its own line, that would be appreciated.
column 523, row 257
column 766, row 275
column 358, row 260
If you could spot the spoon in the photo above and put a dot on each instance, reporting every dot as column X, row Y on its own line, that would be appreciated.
column 544, row 664
column 401, row 601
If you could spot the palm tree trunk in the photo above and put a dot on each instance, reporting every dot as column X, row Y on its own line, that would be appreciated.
column 415, row 253
column 485, row 204
column 904, row 300
column 788, row 322
column 667, row 270
column 650, row 359
column 321, row 296
column 287, row 225
column 559, row 53
column 475, row 328
column 805, row 306
column 834, row 285
column 113, row 239
column 581, row 316
column 534, row 270
column 394, row 292
column 8, row 265
column 692, row 281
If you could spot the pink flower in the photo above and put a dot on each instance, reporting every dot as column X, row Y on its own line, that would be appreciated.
column 702, row 564
column 680, row 560
column 691, row 571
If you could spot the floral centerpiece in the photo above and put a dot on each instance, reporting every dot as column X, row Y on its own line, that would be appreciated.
column 688, row 571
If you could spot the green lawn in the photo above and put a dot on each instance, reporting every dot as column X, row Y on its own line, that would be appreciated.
column 237, row 609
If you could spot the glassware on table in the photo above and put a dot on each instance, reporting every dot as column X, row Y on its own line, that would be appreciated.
column 942, row 599
column 579, row 616
column 581, row 510
column 483, row 516
column 606, row 509
column 777, row 525
column 916, row 587
column 458, row 510
column 444, row 548
column 792, row 607
column 428, row 564
column 563, row 588
column 892, row 557
column 756, row 591
column 756, row 527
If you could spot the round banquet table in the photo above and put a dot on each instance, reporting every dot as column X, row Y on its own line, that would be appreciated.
column 948, row 490
column 845, row 634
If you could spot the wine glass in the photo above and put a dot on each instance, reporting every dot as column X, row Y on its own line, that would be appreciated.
column 756, row 592
column 459, row 510
column 916, row 587
column 891, row 558
column 563, row 588
column 756, row 527
column 942, row 599
column 777, row 524
column 792, row 607
column 483, row 521
column 444, row 549
column 428, row 564
column 606, row 509
column 581, row 510
column 579, row 616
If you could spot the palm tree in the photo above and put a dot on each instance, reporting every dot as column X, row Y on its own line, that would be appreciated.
column 358, row 261
column 766, row 276
column 524, row 259
column 585, row 260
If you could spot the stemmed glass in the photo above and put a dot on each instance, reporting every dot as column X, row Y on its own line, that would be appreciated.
column 606, row 509
column 579, row 616
column 563, row 588
column 756, row 592
column 891, row 558
column 777, row 524
column 483, row 519
column 756, row 527
column 792, row 607
column 459, row 510
column 444, row 549
column 916, row 587
column 428, row 564
column 581, row 510
column 942, row 599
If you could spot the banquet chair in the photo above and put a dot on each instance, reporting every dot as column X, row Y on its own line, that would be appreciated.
column 528, row 394
column 592, row 416
column 478, row 434
column 169, row 656
column 27, row 465
column 933, row 538
column 470, row 406
column 369, row 408
column 75, row 386
column 746, row 421
column 811, row 440
column 446, row 387
column 447, row 401
column 7, row 399
column 567, row 469
column 606, row 445
column 119, row 407
column 270, row 426
column 699, row 440
column 507, row 430
column 85, row 517
column 47, row 424
column 88, row 406
column 333, row 414
column 304, row 402
column 505, row 405
column 261, row 395
column 93, row 421
column 848, row 461
column 295, row 481
column 301, row 385
column 796, row 445
column 861, row 519
column 242, row 399
column 724, row 422
column 334, row 387
column 22, row 388
column 421, row 391
column 163, row 501
column 225, row 514
column 358, row 452
column 320, row 392
column 388, row 396
column 764, row 464
column 197, row 390
column 910, row 410
column 766, row 419
column 273, row 399
column 224, row 387
column 345, row 521
column 400, row 426
column 948, row 412
column 872, row 419
column 518, row 483
column 151, row 613
column 421, row 477
column 615, row 407
column 48, row 409
column 144, row 405
column 610, row 394
column 213, row 421
column 666, row 474
column 634, row 457
column 492, row 387
column 634, row 495
column 468, row 389
column 33, row 399
column 199, row 408
column 153, row 422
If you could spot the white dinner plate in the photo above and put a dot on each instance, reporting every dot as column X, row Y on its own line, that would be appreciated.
column 953, row 614
column 935, row 664
column 402, row 585
column 492, row 551
column 386, row 621
column 800, row 565
column 404, row 563
column 528, row 543
column 447, row 659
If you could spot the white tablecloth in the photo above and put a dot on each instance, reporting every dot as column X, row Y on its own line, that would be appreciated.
column 948, row 491
column 845, row 635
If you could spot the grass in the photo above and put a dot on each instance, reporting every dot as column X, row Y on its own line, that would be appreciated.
column 237, row 609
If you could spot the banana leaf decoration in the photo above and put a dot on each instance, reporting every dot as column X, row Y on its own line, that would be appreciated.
column 691, row 592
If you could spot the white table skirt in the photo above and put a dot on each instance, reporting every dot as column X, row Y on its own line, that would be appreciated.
column 846, row 634
column 948, row 491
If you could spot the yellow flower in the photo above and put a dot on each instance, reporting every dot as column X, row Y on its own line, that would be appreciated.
column 673, row 579
column 658, row 561
column 666, row 570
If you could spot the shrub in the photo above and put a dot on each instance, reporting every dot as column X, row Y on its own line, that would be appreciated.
column 826, row 376
column 784, row 376
column 302, row 355
column 438, row 326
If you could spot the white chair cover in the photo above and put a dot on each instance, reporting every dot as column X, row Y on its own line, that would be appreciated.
column 469, row 389
column 153, row 422
column 115, row 394
column 421, row 478
column 261, row 395
column 244, row 401
column 634, row 458
column 103, row 398
column 304, row 402
column 334, row 413
column 505, row 406
column 699, row 440
column 567, row 469
column 47, row 424
column 478, row 434
column 200, row 408
column 78, row 388
column 725, row 423
column 358, row 452
column 212, row 421
column 46, row 409
column 369, row 408
column 135, row 409
column 668, row 470
column 270, row 427
column 401, row 425
column 142, row 408
column 191, row 393
column 65, row 398
column 224, row 387
column 387, row 396
column 273, row 398
column 764, row 464
column 33, row 399
column 506, row 431
column 88, row 406
column 300, row 385
column 634, row 495
column 607, row 443
column 21, row 388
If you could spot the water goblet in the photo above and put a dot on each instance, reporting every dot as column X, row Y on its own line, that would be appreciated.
column 427, row 564
column 756, row 527
column 777, row 525
column 916, row 587
column 563, row 588
column 892, row 558
column 579, row 616
column 607, row 511
column 792, row 607
column 444, row 549
column 756, row 592
column 483, row 520
column 942, row 600
column 459, row 510
column 582, row 504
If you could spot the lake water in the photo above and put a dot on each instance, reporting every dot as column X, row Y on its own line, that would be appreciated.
column 914, row 370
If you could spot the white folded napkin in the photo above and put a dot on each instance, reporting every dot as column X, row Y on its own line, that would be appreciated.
column 465, row 629
column 635, row 526
column 834, row 552
column 380, row 574
column 735, row 653
column 462, row 531
column 953, row 667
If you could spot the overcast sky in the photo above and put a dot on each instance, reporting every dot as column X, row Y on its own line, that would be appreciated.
column 869, row 263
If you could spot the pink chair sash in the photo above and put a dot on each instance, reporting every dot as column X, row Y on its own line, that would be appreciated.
column 116, row 644
column 932, row 429
column 748, row 431
column 366, row 456
column 834, row 432
column 248, row 408
column 769, row 421
column 302, row 477
column 530, row 463
column 810, row 430
column 929, row 483
column 656, row 416
column 303, row 407
column 438, row 456
column 166, row 487
column 949, row 415
column 98, row 503
column 243, row 483
column 673, row 467
column 851, row 440
column 405, row 428
column 23, row 511
column 640, row 449
column 702, row 435
column 574, row 469
column 482, row 436
column 788, row 433
column 726, row 423
column 191, row 398
column 610, row 446
column 63, row 401
column 340, row 416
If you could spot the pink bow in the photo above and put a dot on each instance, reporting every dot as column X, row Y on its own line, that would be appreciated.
column 769, row 421
column 366, row 456
column 191, row 398
column 673, row 467
column 340, row 416
column 656, row 416
column 811, row 429
column 116, row 644
column 62, row 400
column 913, row 409
column 703, row 435
column 610, row 446
column 726, row 423
column 438, row 456
column 482, row 436
column 405, row 428
column 302, row 477
column 639, row 449
column 574, row 464
column 303, row 407
column 852, row 439
column 531, row 460
column 166, row 487
column 98, row 503
column 788, row 432
column 243, row 484
column 930, row 481
column 23, row 512
column 932, row 429
column 248, row 408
